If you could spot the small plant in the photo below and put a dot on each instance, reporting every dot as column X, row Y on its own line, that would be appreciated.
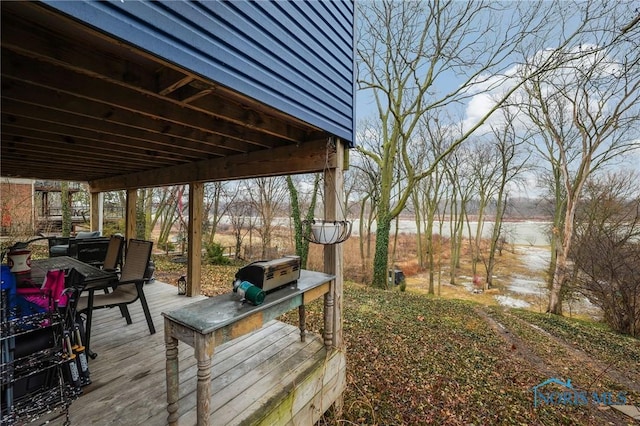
column 403, row 284
column 215, row 254
column 167, row 246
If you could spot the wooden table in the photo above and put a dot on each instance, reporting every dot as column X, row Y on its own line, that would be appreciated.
column 94, row 279
column 92, row 275
column 208, row 323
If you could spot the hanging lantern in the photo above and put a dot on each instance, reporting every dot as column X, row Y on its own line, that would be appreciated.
column 326, row 232
column 182, row 286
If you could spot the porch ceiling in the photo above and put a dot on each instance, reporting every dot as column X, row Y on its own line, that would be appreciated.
column 78, row 105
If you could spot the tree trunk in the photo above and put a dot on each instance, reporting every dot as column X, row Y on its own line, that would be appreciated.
column 418, row 219
column 381, row 257
column 501, row 206
column 561, row 271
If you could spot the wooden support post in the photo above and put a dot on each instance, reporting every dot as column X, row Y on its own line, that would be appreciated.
column 334, row 210
column 302, row 318
column 95, row 214
column 328, row 319
column 194, row 237
column 203, row 352
column 130, row 221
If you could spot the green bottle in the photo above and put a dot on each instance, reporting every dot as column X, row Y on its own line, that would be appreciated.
column 249, row 292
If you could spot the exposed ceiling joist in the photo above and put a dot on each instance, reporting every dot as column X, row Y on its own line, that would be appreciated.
column 78, row 105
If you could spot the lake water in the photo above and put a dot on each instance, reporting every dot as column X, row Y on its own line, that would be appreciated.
column 530, row 233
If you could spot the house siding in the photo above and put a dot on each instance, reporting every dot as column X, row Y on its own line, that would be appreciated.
column 295, row 56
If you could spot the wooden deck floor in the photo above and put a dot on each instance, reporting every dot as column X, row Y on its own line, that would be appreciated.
column 249, row 375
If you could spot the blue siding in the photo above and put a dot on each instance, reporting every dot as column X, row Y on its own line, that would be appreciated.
column 294, row 56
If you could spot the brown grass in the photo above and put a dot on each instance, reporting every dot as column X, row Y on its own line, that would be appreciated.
column 360, row 271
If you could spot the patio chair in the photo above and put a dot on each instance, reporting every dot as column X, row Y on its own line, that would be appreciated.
column 127, row 289
column 113, row 258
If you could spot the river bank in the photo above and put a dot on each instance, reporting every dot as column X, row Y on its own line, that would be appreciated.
column 526, row 232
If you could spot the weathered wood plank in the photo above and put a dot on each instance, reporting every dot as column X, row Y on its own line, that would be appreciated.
column 312, row 295
column 300, row 395
column 234, row 390
column 250, row 374
column 153, row 372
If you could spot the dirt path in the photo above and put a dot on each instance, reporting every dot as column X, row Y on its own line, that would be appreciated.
column 517, row 347
column 628, row 379
column 548, row 366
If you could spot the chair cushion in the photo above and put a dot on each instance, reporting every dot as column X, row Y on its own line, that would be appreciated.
column 59, row 250
column 87, row 234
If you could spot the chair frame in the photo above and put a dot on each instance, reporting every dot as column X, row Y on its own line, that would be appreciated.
column 115, row 250
column 132, row 273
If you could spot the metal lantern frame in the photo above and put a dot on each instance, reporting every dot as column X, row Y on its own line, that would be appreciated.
column 182, row 286
column 327, row 232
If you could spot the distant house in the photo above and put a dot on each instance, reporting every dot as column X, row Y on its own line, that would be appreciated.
column 31, row 207
column 16, row 206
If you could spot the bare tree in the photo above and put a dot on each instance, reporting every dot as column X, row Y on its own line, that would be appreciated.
column 588, row 112
column 460, row 181
column 216, row 201
column 606, row 253
column 302, row 225
column 407, row 52
column 268, row 196
column 366, row 178
column 510, row 162
column 241, row 219
column 434, row 135
column 166, row 212
column 483, row 163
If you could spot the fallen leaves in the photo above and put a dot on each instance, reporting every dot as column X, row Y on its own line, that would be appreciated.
column 414, row 359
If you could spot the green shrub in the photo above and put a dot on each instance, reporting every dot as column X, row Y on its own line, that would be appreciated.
column 167, row 246
column 215, row 254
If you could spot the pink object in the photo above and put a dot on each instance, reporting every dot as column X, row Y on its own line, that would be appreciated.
column 50, row 295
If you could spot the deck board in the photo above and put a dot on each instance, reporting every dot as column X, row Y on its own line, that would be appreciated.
column 249, row 374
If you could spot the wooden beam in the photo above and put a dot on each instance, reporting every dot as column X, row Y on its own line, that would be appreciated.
column 333, row 256
column 334, row 210
column 145, row 107
column 18, row 66
column 85, row 149
column 22, row 100
column 95, row 214
column 130, row 214
column 308, row 157
column 194, row 238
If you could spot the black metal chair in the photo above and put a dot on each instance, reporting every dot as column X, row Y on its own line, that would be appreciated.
column 92, row 251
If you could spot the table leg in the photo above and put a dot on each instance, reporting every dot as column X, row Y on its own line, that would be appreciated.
column 87, row 330
column 203, row 354
column 328, row 318
column 303, row 321
column 173, row 379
